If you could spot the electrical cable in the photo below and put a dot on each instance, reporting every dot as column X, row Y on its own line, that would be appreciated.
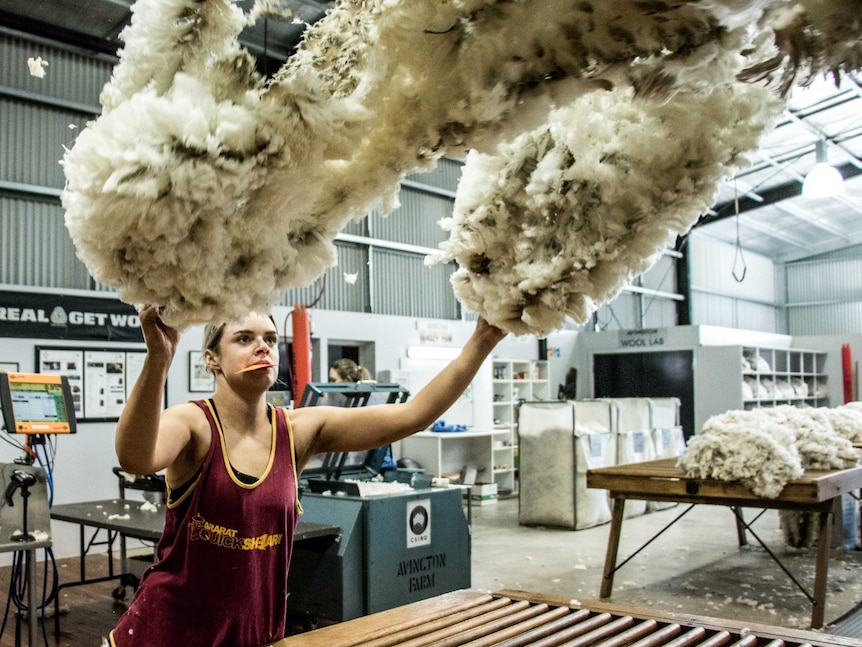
column 319, row 294
column 738, row 249
column 19, row 578
column 652, row 297
column 15, row 443
column 48, row 465
column 613, row 315
column 9, row 597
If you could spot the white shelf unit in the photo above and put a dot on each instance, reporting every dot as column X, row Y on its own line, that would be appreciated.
column 449, row 452
column 517, row 381
column 773, row 376
column 745, row 377
column 514, row 381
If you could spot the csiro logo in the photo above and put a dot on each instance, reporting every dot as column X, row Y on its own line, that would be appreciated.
column 419, row 523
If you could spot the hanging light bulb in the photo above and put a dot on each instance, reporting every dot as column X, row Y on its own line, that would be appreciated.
column 823, row 181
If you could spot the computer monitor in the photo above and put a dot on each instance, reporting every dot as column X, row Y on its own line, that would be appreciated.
column 37, row 403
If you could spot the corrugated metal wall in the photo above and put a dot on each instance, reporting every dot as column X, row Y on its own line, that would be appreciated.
column 71, row 76
column 823, row 295
column 38, row 117
column 411, row 287
column 35, row 248
column 41, row 116
column 33, row 137
column 718, row 298
column 445, row 175
column 415, row 222
column 337, row 292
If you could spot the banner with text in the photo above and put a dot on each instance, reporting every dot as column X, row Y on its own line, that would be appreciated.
column 54, row 316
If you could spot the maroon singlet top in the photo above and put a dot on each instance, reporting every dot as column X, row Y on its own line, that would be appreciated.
column 221, row 572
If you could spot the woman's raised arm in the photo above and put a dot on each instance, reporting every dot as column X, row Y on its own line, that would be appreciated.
column 326, row 429
column 141, row 446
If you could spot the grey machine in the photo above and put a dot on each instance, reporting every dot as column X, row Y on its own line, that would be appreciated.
column 394, row 548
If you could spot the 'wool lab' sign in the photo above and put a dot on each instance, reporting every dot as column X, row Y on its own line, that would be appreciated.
column 642, row 338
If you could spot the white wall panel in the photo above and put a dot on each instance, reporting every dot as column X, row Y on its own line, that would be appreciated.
column 719, row 299
column 661, row 276
column 834, row 319
column 729, row 312
column 823, row 295
column 853, row 251
column 830, row 280
column 712, row 265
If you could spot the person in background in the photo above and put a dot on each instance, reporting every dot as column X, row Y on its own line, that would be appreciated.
column 346, row 370
column 231, row 466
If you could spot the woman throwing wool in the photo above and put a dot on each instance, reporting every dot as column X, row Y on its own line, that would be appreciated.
column 231, row 466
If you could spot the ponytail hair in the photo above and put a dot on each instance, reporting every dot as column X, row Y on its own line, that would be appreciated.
column 350, row 371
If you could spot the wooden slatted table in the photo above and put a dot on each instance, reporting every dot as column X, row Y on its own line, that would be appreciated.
column 662, row 480
column 513, row 618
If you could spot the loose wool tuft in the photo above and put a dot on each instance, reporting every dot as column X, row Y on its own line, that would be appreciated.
column 847, row 421
column 596, row 132
column 745, row 446
column 563, row 218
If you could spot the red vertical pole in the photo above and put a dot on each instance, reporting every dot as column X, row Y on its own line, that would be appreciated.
column 301, row 352
column 847, row 368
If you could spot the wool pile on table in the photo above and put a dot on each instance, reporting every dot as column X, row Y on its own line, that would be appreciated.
column 767, row 447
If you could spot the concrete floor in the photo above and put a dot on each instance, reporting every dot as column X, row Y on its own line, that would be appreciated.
column 695, row 567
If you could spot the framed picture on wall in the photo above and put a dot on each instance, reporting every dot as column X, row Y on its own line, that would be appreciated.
column 200, row 380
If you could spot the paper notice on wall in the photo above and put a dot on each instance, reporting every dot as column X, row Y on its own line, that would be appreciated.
column 105, row 383
column 69, row 363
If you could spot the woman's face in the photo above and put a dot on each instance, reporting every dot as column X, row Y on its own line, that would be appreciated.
column 334, row 376
column 247, row 349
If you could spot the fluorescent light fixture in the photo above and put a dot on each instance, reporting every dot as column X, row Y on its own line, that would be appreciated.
column 823, row 181
column 432, row 352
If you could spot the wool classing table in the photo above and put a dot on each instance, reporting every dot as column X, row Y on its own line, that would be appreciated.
column 661, row 480
column 514, row 618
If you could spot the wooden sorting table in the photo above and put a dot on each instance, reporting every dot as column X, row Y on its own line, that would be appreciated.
column 509, row 618
column 662, row 480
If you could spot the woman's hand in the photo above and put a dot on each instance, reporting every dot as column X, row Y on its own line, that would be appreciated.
column 161, row 339
column 488, row 332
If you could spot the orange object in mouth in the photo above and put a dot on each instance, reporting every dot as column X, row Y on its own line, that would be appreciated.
column 253, row 367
